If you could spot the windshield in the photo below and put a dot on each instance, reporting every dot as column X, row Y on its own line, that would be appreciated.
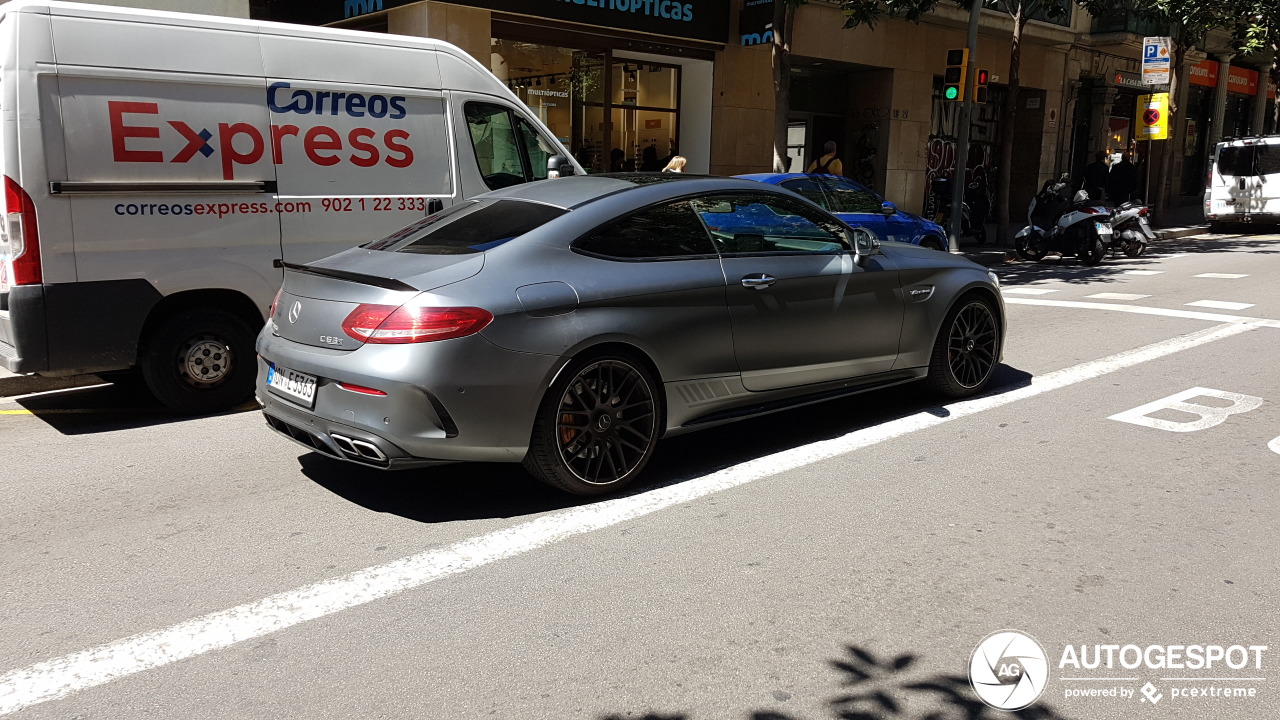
column 469, row 227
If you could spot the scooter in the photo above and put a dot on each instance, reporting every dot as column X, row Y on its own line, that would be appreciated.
column 1130, row 228
column 1059, row 222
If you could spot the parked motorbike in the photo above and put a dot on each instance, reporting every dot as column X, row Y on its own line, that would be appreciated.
column 973, row 211
column 1130, row 229
column 1059, row 222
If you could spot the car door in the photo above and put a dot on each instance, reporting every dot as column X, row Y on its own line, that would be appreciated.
column 800, row 309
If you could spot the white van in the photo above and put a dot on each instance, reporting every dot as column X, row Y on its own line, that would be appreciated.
column 159, row 167
column 1244, row 182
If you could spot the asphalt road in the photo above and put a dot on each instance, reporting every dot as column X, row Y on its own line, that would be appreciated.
column 837, row 561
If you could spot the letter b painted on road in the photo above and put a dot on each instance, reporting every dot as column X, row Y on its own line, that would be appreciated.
column 1205, row 416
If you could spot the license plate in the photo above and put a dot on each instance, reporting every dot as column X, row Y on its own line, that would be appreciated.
column 292, row 384
column 1103, row 228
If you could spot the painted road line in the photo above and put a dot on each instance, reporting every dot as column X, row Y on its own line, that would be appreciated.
column 1027, row 290
column 1143, row 272
column 65, row 675
column 1220, row 305
column 1221, row 276
column 1118, row 296
column 1144, row 310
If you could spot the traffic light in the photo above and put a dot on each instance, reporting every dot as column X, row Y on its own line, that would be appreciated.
column 953, row 79
column 980, row 79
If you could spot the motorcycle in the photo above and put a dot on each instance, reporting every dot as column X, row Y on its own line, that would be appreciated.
column 973, row 211
column 1067, row 224
column 1130, row 228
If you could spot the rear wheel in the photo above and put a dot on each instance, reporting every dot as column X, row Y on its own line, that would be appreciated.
column 200, row 361
column 1093, row 252
column 1134, row 248
column 965, row 352
column 597, row 426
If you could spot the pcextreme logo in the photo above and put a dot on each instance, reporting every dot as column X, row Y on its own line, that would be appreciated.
column 133, row 123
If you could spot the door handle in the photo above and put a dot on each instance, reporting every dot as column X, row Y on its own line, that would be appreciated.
column 758, row 281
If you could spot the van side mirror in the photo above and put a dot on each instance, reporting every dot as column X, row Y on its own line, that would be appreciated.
column 865, row 246
column 559, row 166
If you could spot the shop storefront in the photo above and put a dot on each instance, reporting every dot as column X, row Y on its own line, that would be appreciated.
column 625, row 84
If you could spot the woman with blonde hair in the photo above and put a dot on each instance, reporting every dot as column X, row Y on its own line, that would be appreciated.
column 676, row 165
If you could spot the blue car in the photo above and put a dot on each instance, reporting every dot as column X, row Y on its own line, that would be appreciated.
column 859, row 206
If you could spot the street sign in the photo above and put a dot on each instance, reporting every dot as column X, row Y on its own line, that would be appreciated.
column 1153, row 116
column 1156, row 60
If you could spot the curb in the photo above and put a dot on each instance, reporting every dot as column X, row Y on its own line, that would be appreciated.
column 1172, row 233
column 12, row 385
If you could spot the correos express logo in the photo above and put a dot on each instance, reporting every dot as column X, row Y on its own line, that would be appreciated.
column 1008, row 670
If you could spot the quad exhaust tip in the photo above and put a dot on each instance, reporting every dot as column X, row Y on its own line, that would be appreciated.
column 359, row 449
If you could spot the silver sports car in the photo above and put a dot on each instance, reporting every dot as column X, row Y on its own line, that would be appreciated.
column 569, row 324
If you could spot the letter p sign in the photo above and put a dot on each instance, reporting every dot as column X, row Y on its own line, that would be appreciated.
column 1203, row 416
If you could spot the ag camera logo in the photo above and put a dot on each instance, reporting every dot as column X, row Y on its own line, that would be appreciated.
column 1008, row 670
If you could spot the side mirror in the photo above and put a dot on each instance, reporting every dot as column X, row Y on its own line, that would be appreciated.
column 865, row 246
column 559, row 166
column 888, row 208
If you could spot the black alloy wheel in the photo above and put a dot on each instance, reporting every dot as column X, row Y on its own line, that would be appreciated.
column 596, row 430
column 965, row 353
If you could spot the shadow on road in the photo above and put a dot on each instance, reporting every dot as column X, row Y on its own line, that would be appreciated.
column 888, row 688
column 105, row 408
column 469, row 491
column 1070, row 270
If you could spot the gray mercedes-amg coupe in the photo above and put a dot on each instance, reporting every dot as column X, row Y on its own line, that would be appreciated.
column 569, row 324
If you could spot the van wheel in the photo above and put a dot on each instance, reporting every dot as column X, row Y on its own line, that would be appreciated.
column 597, row 426
column 200, row 361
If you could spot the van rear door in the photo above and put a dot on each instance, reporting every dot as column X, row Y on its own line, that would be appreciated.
column 8, row 132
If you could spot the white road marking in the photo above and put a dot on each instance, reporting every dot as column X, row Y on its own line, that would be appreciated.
column 1220, row 305
column 1208, row 416
column 1027, row 290
column 60, row 677
column 1170, row 257
column 1143, row 272
column 1221, row 276
column 1274, row 446
column 1118, row 296
column 1144, row 310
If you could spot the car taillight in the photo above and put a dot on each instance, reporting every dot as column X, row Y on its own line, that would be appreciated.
column 388, row 324
column 275, row 303
column 24, row 240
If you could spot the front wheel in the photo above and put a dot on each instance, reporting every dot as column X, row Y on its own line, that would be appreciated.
column 1022, row 246
column 200, row 361
column 597, row 426
column 932, row 243
column 966, row 350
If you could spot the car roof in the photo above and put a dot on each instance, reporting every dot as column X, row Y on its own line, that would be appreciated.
column 578, row 190
column 778, row 178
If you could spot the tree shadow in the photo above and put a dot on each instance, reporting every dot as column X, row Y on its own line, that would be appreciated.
column 1070, row 270
column 892, row 688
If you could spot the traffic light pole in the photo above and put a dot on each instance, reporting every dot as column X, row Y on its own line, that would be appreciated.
column 960, row 179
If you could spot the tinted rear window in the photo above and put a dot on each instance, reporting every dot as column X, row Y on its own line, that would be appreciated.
column 1236, row 160
column 469, row 227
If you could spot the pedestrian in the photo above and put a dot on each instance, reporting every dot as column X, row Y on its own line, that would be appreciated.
column 828, row 164
column 676, row 165
column 1122, row 180
column 1095, row 176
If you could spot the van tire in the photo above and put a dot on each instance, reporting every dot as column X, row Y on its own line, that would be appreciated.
column 200, row 361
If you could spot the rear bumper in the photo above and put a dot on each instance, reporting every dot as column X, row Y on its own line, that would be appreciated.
column 454, row 400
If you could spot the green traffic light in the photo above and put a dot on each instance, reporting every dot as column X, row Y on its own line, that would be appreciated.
column 952, row 92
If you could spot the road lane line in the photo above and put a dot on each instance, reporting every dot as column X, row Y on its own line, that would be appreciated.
column 1027, row 290
column 1145, row 310
column 1221, row 276
column 60, row 677
column 1143, row 272
column 1220, row 305
column 1117, row 296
